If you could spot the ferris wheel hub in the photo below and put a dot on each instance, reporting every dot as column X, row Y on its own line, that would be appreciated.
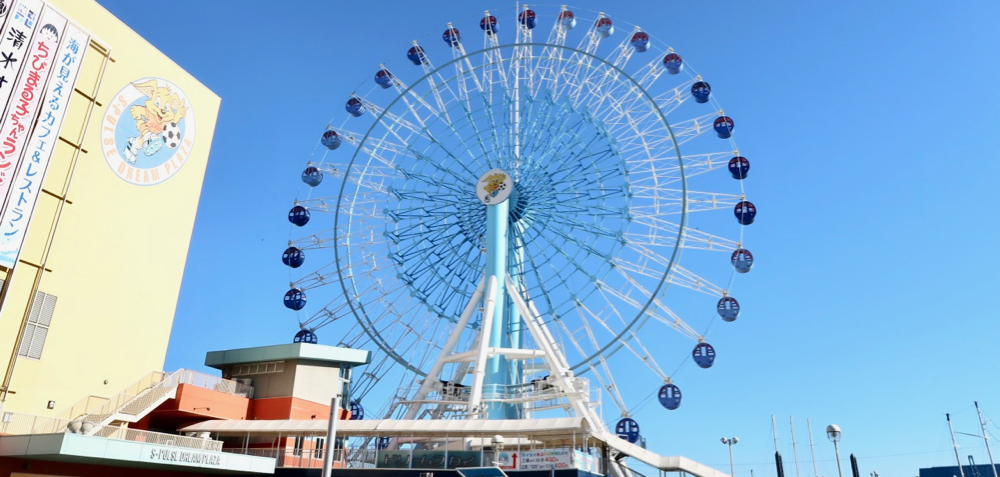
column 494, row 187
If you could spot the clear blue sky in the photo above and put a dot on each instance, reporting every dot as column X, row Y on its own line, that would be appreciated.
column 875, row 137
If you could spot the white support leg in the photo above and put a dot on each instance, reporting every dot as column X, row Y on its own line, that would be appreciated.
column 479, row 375
column 557, row 364
column 434, row 375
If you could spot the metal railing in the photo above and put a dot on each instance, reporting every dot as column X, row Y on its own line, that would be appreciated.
column 18, row 424
column 24, row 424
column 82, row 407
column 292, row 457
column 149, row 437
column 137, row 398
column 124, row 396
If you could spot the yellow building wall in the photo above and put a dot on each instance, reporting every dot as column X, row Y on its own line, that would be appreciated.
column 117, row 250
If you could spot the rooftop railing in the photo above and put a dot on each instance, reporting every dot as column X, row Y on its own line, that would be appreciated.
column 25, row 424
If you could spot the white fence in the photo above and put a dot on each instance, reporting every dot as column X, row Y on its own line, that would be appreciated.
column 23, row 424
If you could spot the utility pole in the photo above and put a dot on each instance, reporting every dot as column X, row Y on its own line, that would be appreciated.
column 812, row 447
column 955, row 443
column 993, row 466
column 795, row 450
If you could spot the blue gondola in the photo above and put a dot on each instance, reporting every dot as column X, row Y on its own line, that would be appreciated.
column 452, row 37
column 489, row 24
column 728, row 308
column 738, row 167
column 670, row 396
column 628, row 429
column 330, row 139
column 357, row 412
column 383, row 78
column 312, row 176
column 293, row 257
column 527, row 18
column 295, row 299
column 355, row 107
column 640, row 41
column 298, row 215
column 567, row 19
column 383, row 443
column 305, row 336
column 704, row 355
column 673, row 63
column 724, row 126
column 742, row 260
column 604, row 27
column 701, row 91
column 745, row 212
column 416, row 55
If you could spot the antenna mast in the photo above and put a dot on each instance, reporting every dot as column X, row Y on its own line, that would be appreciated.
column 955, row 443
column 989, row 452
column 795, row 451
column 812, row 447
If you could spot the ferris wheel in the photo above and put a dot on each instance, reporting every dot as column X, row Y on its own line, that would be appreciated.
column 518, row 222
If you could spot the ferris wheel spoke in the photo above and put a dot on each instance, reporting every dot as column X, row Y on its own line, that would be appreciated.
column 429, row 72
column 668, row 201
column 666, row 316
column 549, row 61
column 663, row 233
column 648, row 263
column 414, row 102
column 653, row 311
column 606, row 383
column 643, row 356
column 663, row 171
column 492, row 58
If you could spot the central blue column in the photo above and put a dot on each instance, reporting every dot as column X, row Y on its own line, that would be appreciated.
column 497, row 375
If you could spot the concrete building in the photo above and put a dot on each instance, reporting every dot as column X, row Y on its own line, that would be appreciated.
column 138, row 428
column 101, row 218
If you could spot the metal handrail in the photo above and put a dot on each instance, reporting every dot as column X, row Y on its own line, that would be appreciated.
column 151, row 388
column 24, row 424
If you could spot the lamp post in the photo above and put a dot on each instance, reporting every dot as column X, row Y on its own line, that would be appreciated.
column 730, row 443
column 833, row 433
column 331, row 429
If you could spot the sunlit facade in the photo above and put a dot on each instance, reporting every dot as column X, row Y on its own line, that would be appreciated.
column 92, row 260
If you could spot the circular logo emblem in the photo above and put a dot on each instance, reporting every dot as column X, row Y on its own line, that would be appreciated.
column 148, row 131
column 494, row 187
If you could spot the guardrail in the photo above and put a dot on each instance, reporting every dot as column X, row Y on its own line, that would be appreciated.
column 149, row 437
column 292, row 457
column 82, row 407
column 24, row 424
column 136, row 399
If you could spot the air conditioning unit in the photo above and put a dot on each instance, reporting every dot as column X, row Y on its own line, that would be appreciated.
column 246, row 381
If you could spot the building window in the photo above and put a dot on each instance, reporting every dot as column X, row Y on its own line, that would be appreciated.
column 297, row 450
column 320, row 442
column 257, row 368
column 37, row 329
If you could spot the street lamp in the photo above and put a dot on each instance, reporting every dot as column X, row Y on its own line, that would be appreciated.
column 331, row 430
column 833, row 433
column 730, row 442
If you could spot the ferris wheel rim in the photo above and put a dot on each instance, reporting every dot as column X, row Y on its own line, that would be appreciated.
column 628, row 331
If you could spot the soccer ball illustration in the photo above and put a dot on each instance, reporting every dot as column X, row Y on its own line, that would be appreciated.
column 172, row 135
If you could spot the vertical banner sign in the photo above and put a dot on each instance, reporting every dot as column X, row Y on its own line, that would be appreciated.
column 28, row 182
column 30, row 82
column 4, row 10
column 15, row 40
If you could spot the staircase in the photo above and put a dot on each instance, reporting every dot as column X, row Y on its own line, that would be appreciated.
column 141, row 397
